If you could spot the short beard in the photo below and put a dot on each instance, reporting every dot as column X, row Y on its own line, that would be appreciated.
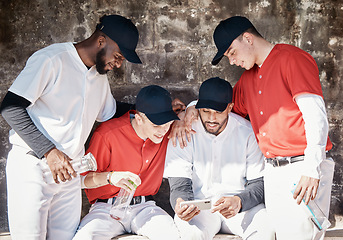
column 219, row 128
column 100, row 63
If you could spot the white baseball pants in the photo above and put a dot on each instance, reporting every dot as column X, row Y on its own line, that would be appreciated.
column 250, row 225
column 37, row 210
column 290, row 220
column 145, row 219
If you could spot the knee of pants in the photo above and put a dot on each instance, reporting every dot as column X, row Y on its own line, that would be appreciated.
column 148, row 217
column 192, row 231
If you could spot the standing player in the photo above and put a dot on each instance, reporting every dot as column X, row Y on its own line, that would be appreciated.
column 51, row 107
column 281, row 92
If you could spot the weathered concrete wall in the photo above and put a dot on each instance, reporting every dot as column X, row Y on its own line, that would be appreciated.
column 176, row 47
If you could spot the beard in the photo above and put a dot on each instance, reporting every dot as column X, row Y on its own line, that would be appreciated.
column 215, row 132
column 100, row 63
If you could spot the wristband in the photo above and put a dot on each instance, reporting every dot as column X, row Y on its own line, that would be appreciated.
column 109, row 177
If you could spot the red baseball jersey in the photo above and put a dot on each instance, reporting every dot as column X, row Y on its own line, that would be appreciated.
column 116, row 147
column 267, row 95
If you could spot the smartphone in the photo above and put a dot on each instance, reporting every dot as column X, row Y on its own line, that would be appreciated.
column 201, row 204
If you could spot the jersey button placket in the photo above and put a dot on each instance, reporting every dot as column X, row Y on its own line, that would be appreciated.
column 260, row 93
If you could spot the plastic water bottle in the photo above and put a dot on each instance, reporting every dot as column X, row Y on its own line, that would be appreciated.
column 80, row 165
column 316, row 215
column 121, row 203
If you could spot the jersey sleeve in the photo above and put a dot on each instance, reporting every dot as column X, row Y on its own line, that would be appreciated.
column 255, row 159
column 109, row 106
column 238, row 100
column 303, row 74
column 179, row 162
column 100, row 149
column 37, row 76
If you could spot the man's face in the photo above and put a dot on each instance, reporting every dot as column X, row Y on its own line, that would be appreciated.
column 108, row 57
column 240, row 53
column 152, row 131
column 213, row 121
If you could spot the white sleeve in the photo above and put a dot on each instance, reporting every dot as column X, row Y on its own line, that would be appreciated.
column 179, row 162
column 109, row 106
column 313, row 110
column 192, row 103
column 255, row 159
column 36, row 78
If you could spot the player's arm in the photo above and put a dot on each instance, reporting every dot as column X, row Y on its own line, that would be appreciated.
column 182, row 129
column 13, row 110
column 119, row 179
column 181, row 190
column 180, row 187
column 252, row 195
column 314, row 114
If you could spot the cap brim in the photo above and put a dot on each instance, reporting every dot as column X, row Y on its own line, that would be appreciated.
column 130, row 55
column 162, row 118
column 219, row 55
column 217, row 106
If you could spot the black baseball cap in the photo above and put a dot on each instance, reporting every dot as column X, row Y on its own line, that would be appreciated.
column 226, row 32
column 123, row 32
column 214, row 93
column 155, row 102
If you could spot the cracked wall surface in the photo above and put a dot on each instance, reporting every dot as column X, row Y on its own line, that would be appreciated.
column 176, row 48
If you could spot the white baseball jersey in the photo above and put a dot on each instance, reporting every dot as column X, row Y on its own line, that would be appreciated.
column 217, row 165
column 66, row 97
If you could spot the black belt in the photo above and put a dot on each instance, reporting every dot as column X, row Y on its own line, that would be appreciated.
column 282, row 161
column 135, row 200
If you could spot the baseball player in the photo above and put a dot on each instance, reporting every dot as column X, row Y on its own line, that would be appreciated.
column 51, row 107
column 281, row 92
column 222, row 162
column 130, row 147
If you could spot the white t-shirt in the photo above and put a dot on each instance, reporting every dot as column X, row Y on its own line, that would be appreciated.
column 217, row 165
column 66, row 97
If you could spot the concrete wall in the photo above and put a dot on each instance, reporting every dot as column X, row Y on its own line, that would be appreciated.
column 176, row 47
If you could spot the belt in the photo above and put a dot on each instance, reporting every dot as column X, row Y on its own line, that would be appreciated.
column 135, row 200
column 282, row 161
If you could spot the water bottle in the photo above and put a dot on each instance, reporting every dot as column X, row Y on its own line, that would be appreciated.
column 80, row 165
column 121, row 203
column 317, row 216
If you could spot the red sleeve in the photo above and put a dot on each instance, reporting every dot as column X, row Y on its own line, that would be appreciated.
column 100, row 149
column 303, row 74
column 238, row 100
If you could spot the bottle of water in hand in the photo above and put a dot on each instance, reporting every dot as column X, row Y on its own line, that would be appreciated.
column 121, row 203
column 316, row 215
column 80, row 165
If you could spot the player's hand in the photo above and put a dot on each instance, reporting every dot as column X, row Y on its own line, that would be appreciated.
column 182, row 129
column 178, row 106
column 307, row 186
column 228, row 206
column 186, row 213
column 127, row 180
column 60, row 166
